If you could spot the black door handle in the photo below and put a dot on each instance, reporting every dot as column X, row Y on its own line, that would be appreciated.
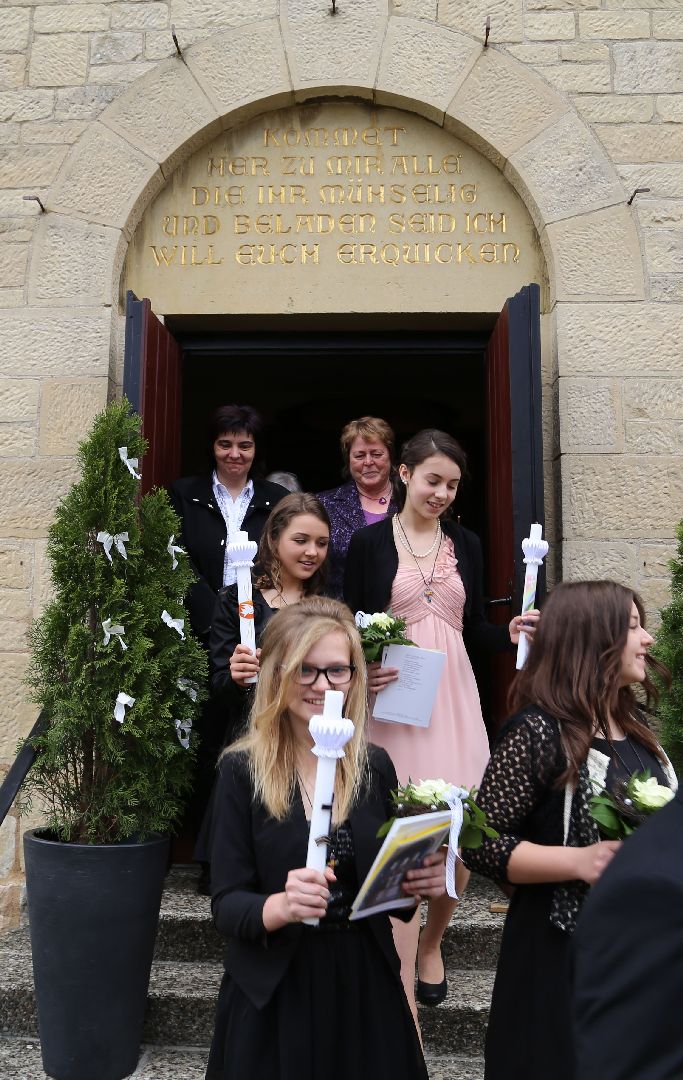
column 501, row 600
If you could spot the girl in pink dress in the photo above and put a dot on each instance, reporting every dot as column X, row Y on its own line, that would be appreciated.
column 428, row 571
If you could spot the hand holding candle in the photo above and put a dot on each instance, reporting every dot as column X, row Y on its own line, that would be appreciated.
column 330, row 732
column 535, row 549
column 241, row 553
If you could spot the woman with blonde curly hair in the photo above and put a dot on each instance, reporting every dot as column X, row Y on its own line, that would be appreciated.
column 299, row 1002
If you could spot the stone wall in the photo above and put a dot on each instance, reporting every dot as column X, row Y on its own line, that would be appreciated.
column 578, row 102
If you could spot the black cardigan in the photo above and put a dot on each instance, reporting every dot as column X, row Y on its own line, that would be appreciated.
column 251, row 856
column 372, row 563
column 203, row 537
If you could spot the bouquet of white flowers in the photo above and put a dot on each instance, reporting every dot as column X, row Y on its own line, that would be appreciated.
column 620, row 812
column 378, row 630
column 429, row 795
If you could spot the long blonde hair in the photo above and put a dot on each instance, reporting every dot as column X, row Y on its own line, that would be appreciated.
column 269, row 741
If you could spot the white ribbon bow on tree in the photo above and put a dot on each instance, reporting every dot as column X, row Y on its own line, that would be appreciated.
column 173, row 549
column 188, row 687
column 174, row 624
column 454, row 800
column 118, row 539
column 130, row 463
column 183, row 729
column 113, row 630
column 123, row 702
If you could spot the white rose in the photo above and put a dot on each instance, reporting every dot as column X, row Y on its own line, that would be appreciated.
column 651, row 795
column 380, row 618
column 363, row 620
column 430, row 791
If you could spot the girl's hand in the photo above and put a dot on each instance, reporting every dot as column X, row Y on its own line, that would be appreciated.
column 244, row 664
column 428, row 879
column 593, row 860
column 379, row 677
column 524, row 624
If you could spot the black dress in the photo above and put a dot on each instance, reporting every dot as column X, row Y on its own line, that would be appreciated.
column 328, row 1003
column 529, row 1035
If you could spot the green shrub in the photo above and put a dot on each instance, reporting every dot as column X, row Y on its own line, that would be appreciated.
column 669, row 649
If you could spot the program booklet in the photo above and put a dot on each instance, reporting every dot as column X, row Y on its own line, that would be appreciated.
column 406, row 844
column 410, row 698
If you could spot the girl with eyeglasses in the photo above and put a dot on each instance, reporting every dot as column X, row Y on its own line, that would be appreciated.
column 300, row 1002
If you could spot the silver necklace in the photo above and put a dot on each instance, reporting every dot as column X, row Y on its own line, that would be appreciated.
column 617, row 755
column 406, row 543
column 382, row 500
column 428, row 591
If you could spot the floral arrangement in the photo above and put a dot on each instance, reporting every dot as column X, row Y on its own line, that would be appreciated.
column 378, row 630
column 429, row 795
column 619, row 813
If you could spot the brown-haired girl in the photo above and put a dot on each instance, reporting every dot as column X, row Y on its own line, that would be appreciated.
column 577, row 724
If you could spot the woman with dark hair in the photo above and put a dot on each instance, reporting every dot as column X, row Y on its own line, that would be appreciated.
column 367, row 447
column 428, row 570
column 301, row 1002
column 577, row 727
column 216, row 505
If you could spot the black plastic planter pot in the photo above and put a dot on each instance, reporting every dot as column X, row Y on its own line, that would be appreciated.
column 93, row 913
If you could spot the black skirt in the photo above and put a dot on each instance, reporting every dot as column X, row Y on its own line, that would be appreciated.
column 339, row 1012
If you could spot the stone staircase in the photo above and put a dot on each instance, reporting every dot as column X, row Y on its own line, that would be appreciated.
column 187, row 972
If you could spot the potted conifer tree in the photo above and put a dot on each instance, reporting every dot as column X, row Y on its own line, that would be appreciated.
column 669, row 649
column 117, row 672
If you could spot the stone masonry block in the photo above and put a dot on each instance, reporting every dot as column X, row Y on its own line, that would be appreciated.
column 563, row 172
column 469, row 16
column 9, row 134
column 217, row 14
column 653, row 436
column 17, row 440
column 159, row 43
column 663, row 250
column 651, row 67
column 614, row 24
column 28, row 167
column 106, row 74
column 341, row 50
column 19, row 713
column 603, row 498
column 242, row 67
column 619, row 339
column 558, row 26
column 16, row 604
column 8, row 846
column 115, row 47
column 43, row 342
column 667, row 24
column 26, row 104
column 16, row 24
column 10, row 905
column 424, row 62
column 58, row 18
column 154, row 16
column 653, row 399
column 594, row 560
column 13, row 263
column 11, row 298
column 74, row 262
column 596, row 256
column 84, row 102
column 670, row 108
column 580, row 78
column 43, row 589
column 665, row 181
column 590, row 416
column 561, row 5
column 535, row 54
column 656, row 594
column 639, row 143
column 30, row 489
column 615, row 108
column 12, row 70
column 502, row 105
column 584, row 52
column 419, row 9
column 58, row 133
column 105, row 179
column 655, row 559
column 67, row 409
column 16, row 562
column 58, row 60
column 666, row 288
column 18, row 400
column 141, row 114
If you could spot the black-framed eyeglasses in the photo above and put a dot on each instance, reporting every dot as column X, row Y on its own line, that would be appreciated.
column 337, row 675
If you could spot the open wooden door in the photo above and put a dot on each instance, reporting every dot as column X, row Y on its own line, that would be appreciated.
column 152, row 382
column 514, row 468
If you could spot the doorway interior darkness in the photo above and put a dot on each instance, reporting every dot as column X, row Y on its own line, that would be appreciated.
column 307, row 386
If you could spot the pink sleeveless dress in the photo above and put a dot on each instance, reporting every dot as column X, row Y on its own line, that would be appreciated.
column 455, row 745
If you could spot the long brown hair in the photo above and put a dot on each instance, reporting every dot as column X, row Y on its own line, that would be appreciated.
column 282, row 514
column 269, row 741
column 574, row 665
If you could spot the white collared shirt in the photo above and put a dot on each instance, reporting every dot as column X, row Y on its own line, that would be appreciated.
column 233, row 511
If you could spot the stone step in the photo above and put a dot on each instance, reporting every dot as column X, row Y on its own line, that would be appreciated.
column 186, row 930
column 20, row 1060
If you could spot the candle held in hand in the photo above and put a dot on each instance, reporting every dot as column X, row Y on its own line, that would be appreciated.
column 535, row 549
column 241, row 553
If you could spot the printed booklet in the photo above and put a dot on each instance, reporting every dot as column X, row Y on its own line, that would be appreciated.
column 406, row 844
column 410, row 698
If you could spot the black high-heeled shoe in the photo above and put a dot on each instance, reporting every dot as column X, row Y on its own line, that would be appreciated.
column 432, row 993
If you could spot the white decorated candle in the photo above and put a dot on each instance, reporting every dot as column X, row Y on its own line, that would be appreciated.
column 241, row 554
column 535, row 549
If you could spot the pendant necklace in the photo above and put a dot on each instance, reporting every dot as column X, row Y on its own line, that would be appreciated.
column 382, row 500
column 428, row 591
column 620, row 759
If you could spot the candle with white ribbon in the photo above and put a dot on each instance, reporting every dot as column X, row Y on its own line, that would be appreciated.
column 535, row 549
column 241, row 555
column 330, row 732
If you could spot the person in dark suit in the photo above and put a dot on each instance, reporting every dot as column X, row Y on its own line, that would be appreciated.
column 627, row 949
column 428, row 570
column 301, row 1002
column 217, row 504
column 367, row 447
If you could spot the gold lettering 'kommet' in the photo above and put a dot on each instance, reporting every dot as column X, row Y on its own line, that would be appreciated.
column 332, row 137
